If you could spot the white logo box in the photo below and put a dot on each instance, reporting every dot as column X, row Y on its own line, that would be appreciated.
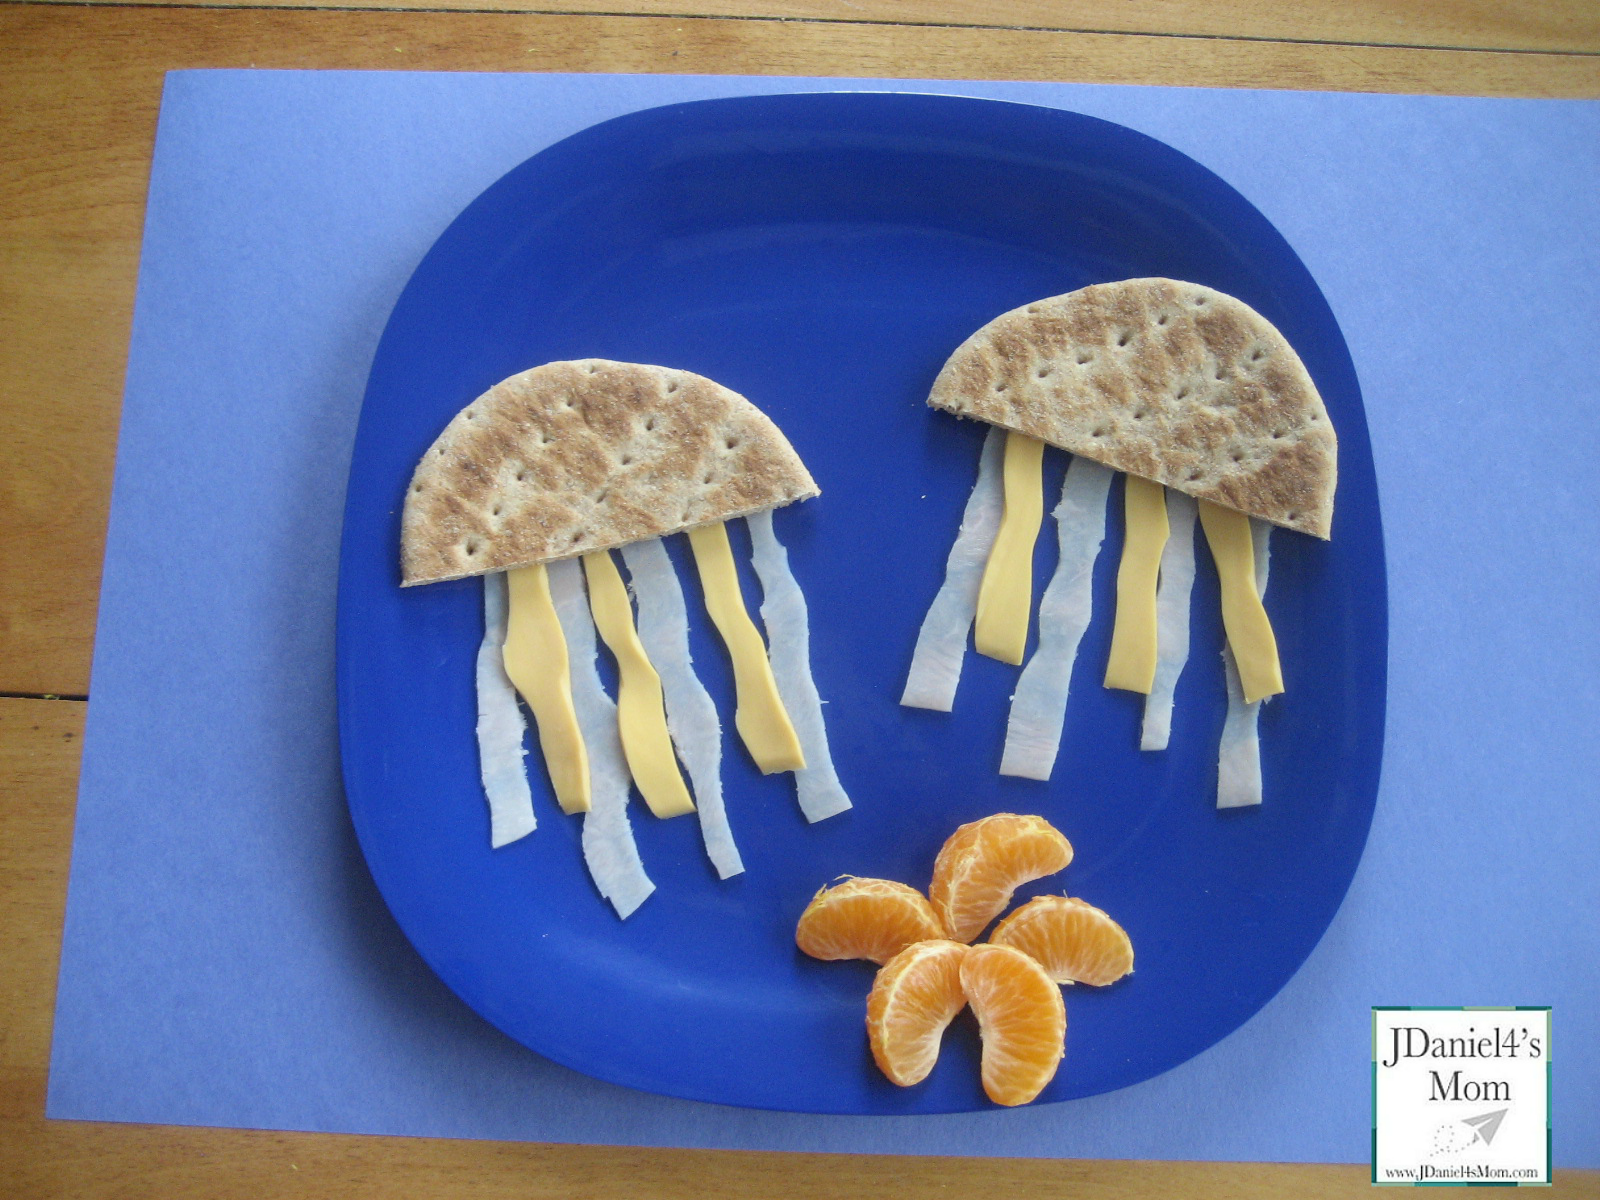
column 1461, row 1096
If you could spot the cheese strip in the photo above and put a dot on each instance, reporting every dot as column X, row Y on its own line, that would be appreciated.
column 691, row 714
column 1005, row 597
column 1131, row 665
column 1172, row 620
column 759, row 716
column 783, row 612
column 1239, row 753
column 608, row 847
column 1039, row 706
column 501, row 729
column 1249, row 632
column 942, row 640
column 641, row 712
column 535, row 657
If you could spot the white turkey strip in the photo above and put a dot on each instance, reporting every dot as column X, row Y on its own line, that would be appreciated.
column 1239, row 754
column 691, row 713
column 608, row 847
column 1172, row 619
column 501, row 727
column 1039, row 705
column 942, row 641
column 783, row 611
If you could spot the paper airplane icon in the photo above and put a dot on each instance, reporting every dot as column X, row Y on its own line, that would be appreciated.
column 1487, row 1125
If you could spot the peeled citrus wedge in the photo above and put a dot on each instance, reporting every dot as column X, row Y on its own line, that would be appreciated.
column 1021, row 1018
column 983, row 862
column 1073, row 941
column 865, row 918
column 915, row 996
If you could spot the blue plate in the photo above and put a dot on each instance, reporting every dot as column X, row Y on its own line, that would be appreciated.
column 823, row 255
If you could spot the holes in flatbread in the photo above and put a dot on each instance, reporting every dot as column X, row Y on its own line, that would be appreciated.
column 672, row 386
column 1294, row 516
column 709, row 477
column 417, row 488
column 1001, row 386
column 1122, row 338
column 471, row 416
column 440, row 451
column 495, row 511
column 1043, row 372
column 472, row 548
column 1220, row 372
column 1236, row 456
column 1099, row 433
column 1085, row 359
column 1257, row 354
column 650, row 425
column 731, row 443
column 1162, row 319
column 593, row 369
column 579, row 536
column 1033, row 308
column 1182, row 394
column 601, row 498
column 1278, row 434
column 521, row 475
column 1194, row 477
column 624, row 460
column 1139, row 416
column 1199, row 300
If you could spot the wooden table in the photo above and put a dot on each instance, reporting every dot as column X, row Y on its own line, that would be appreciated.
column 79, row 88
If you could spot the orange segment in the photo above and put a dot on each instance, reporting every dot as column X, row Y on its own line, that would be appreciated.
column 865, row 918
column 983, row 862
column 915, row 996
column 1074, row 942
column 1021, row 1018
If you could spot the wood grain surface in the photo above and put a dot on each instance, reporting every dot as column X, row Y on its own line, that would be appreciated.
column 1566, row 25
column 79, row 90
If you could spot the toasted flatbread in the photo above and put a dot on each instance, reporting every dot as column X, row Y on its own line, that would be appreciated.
column 572, row 457
column 1166, row 380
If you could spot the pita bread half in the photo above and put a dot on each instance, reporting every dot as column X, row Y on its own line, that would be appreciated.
column 1170, row 381
column 578, row 456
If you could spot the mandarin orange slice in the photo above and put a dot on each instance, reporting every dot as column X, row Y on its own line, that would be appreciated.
column 865, row 918
column 916, row 995
column 983, row 862
column 1073, row 941
column 1021, row 1018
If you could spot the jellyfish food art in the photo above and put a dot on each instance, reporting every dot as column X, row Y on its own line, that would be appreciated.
column 532, row 486
column 1209, row 413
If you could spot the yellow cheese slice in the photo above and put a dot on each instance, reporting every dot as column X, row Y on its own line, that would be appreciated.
column 1005, row 597
column 535, row 656
column 1255, row 650
column 1132, row 665
column 760, row 716
column 641, row 711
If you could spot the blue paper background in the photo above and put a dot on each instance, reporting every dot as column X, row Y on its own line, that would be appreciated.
column 226, row 958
